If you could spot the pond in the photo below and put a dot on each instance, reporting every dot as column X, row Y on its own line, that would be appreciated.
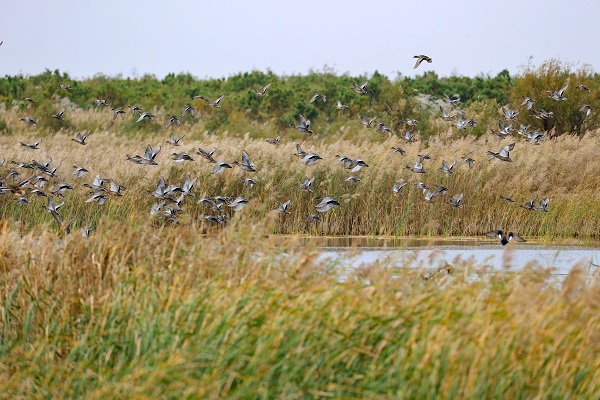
column 430, row 254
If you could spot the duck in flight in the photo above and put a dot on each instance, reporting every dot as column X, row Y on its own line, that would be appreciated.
column 504, row 236
column 420, row 59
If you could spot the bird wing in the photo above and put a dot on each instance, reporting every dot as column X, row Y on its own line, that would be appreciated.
column 419, row 60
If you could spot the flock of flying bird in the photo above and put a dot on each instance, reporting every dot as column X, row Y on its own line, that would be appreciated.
column 169, row 197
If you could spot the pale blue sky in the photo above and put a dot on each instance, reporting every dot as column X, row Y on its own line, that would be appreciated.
column 221, row 38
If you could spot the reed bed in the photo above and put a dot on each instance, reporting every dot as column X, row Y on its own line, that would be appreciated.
column 157, row 312
column 564, row 169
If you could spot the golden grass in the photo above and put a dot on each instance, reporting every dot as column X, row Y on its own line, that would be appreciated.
column 148, row 312
column 564, row 169
column 146, row 309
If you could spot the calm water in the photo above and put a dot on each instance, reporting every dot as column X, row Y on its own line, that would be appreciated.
column 430, row 254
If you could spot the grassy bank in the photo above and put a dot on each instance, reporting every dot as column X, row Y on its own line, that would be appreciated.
column 147, row 312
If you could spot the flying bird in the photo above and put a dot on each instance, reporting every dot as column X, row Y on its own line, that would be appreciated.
column 263, row 92
column 420, row 59
column 505, row 237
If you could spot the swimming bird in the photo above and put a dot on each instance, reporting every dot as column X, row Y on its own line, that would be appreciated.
column 341, row 106
column 33, row 146
column 263, row 91
column 317, row 96
column 81, row 138
column 504, row 153
column 420, row 59
column 174, row 141
column 59, row 116
column 326, row 204
column 504, row 237
column 362, row 89
column 303, row 126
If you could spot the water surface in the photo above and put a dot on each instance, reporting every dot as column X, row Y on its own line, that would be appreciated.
column 427, row 253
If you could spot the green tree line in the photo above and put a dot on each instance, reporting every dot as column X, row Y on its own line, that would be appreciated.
column 391, row 100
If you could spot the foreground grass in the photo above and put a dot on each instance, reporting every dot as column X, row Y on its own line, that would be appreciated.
column 152, row 312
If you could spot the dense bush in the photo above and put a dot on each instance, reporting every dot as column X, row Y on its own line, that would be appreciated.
column 391, row 101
